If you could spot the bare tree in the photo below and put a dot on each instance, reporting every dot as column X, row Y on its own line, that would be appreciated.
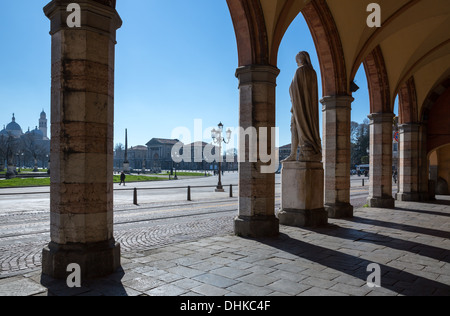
column 3, row 150
column 34, row 147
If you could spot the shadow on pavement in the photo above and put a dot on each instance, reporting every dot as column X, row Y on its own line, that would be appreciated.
column 393, row 279
column 109, row 286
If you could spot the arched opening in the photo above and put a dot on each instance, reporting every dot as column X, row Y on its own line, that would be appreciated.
column 436, row 149
column 439, row 170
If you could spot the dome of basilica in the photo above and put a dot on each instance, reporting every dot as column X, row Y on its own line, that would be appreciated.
column 14, row 128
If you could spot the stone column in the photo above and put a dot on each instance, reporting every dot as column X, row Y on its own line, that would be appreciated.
column 82, row 101
column 409, row 162
column 426, row 187
column 337, row 155
column 380, row 191
column 257, row 85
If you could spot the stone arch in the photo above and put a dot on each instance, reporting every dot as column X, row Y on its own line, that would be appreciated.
column 329, row 48
column 378, row 82
column 408, row 107
column 251, row 33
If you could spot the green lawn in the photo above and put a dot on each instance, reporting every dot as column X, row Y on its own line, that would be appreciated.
column 32, row 182
column 25, row 171
column 188, row 174
column 138, row 179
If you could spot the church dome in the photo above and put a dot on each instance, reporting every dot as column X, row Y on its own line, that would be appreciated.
column 37, row 133
column 14, row 128
column 3, row 132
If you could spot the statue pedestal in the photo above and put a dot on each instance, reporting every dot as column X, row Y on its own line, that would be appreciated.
column 10, row 172
column 302, row 194
column 126, row 167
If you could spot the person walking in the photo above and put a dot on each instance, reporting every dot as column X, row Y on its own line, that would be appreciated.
column 122, row 178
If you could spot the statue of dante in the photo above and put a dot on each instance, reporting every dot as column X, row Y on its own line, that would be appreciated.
column 305, row 112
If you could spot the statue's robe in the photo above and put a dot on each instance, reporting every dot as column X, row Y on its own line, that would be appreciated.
column 305, row 108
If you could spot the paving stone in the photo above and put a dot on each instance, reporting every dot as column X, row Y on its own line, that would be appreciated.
column 216, row 280
column 185, row 272
column 238, row 264
column 206, row 266
column 289, row 287
column 155, row 273
column 258, row 279
column 348, row 280
column 209, row 290
column 350, row 289
column 278, row 294
column 187, row 261
column 280, row 274
column 169, row 277
column 187, row 284
column 318, row 282
column 188, row 294
column 323, row 261
column 250, row 290
column 290, row 268
column 231, row 273
column 260, row 269
column 21, row 287
column 143, row 283
column 166, row 290
column 316, row 291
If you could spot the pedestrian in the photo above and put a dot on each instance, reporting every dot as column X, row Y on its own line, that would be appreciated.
column 122, row 178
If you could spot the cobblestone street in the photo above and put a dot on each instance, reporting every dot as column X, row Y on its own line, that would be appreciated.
column 410, row 244
column 24, row 234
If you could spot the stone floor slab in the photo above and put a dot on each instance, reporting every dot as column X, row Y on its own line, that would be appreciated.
column 407, row 243
column 21, row 287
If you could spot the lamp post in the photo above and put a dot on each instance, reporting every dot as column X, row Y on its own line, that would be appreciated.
column 217, row 138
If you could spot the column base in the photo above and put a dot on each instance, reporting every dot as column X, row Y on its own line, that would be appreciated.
column 303, row 218
column 344, row 210
column 408, row 197
column 95, row 260
column 381, row 202
column 256, row 226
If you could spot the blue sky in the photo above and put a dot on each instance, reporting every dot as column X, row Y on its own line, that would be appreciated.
column 175, row 62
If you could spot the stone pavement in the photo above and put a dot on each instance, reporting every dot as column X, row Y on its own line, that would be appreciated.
column 410, row 244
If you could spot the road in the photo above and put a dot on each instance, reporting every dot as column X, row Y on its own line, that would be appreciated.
column 162, row 217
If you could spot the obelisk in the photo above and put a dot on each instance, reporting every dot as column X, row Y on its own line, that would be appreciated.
column 126, row 163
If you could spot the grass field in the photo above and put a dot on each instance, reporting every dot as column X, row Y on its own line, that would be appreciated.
column 25, row 171
column 36, row 182
column 31, row 182
column 188, row 174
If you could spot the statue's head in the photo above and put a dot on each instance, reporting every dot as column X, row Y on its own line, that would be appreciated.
column 303, row 59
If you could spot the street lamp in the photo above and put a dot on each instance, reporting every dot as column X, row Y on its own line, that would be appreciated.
column 217, row 138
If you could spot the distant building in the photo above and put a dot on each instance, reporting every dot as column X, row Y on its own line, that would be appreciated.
column 25, row 149
column 160, row 153
column 197, row 159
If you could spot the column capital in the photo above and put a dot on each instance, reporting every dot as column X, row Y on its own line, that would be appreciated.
column 99, row 16
column 336, row 101
column 381, row 117
column 257, row 74
column 409, row 127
